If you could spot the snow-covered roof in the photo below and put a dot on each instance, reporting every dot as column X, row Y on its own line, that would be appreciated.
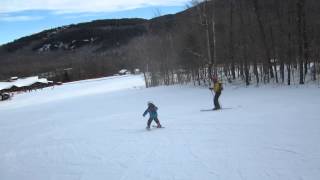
column 5, row 85
column 122, row 71
column 23, row 82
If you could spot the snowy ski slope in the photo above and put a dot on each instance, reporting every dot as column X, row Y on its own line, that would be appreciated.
column 94, row 130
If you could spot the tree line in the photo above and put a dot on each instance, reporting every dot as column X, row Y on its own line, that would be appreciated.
column 256, row 41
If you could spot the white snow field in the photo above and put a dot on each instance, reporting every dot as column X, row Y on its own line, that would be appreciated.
column 94, row 130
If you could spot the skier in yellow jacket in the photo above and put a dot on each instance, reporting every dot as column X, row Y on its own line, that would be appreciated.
column 217, row 88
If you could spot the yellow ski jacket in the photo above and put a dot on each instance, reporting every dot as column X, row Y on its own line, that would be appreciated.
column 217, row 87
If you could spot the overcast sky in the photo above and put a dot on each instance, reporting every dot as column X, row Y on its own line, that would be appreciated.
column 19, row 18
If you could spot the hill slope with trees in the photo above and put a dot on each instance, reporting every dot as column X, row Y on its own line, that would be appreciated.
column 252, row 40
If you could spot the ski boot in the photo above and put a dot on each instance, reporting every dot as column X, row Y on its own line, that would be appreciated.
column 159, row 125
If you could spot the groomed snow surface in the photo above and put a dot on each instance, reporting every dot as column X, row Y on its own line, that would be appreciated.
column 94, row 130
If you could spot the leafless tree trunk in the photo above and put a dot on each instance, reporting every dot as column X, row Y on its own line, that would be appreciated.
column 267, row 65
column 300, row 7
column 231, row 41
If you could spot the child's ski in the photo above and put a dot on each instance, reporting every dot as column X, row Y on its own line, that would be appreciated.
column 155, row 126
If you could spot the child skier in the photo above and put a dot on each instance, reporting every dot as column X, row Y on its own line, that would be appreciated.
column 217, row 88
column 152, row 110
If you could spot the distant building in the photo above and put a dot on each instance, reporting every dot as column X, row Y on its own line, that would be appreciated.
column 63, row 75
column 24, row 84
column 124, row 71
column 13, row 79
column 137, row 71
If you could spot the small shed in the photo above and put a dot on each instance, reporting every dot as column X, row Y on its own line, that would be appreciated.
column 123, row 71
column 136, row 71
column 13, row 79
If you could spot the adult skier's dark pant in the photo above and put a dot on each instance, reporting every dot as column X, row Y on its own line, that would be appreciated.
column 155, row 119
column 216, row 100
